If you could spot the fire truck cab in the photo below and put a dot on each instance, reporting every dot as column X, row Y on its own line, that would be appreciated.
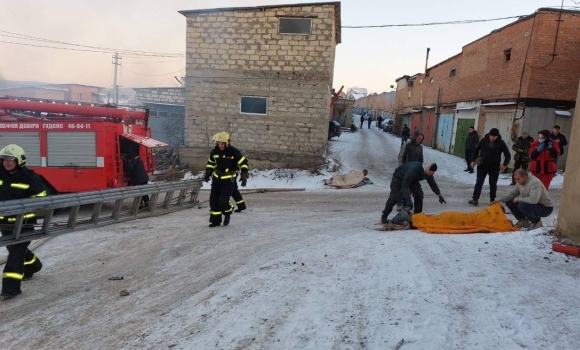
column 77, row 147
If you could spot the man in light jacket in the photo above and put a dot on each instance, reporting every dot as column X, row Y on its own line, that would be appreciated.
column 529, row 201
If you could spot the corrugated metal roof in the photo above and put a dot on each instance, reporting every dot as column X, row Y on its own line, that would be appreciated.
column 145, row 141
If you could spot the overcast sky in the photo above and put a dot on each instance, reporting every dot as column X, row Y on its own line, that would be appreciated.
column 371, row 58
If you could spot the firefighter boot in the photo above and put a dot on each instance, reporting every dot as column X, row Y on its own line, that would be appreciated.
column 241, row 206
column 227, row 219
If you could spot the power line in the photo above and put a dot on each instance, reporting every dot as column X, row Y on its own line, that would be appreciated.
column 150, row 75
column 466, row 21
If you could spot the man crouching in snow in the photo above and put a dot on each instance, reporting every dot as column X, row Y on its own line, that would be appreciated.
column 407, row 178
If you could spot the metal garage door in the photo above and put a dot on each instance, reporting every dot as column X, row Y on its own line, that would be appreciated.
column 74, row 149
column 29, row 141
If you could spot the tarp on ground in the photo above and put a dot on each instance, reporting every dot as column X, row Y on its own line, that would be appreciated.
column 353, row 179
column 489, row 220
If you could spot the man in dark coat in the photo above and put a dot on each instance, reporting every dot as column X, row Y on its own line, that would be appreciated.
column 18, row 182
column 362, row 120
column 522, row 159
column 136, row 174
column 471, row 142
column 406, row 179
column 369, row 121
column 412, row 151
column 487, row 156
column 560, row 137
column 405, row 133
column 380, row 122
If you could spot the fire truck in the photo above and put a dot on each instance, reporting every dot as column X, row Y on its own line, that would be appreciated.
column 77, row 147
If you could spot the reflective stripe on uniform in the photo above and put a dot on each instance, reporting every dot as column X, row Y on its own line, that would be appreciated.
column 1, row 182
column 31, row 261
column 41, row 194
column 13, row 219
column 216, row 212
column 14, row 275
column 21, row 186
column 241, row 160
column 230, row 209
column 240, row 202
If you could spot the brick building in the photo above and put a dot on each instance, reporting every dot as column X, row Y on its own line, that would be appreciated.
column 61, row 92
column 265, row 75
column 376, row 105
column 522, row 76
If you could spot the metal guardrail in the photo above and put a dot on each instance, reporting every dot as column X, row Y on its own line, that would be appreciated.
column 109, row 206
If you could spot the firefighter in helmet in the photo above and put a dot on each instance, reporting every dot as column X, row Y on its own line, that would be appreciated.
column 18, row 182
column 223, row 165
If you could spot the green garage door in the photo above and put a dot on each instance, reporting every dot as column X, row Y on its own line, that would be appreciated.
column 460, row 136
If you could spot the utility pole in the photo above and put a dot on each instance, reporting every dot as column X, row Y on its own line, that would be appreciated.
column 116, row 63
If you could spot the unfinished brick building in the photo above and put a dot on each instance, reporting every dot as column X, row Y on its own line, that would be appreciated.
column 264, row 74
column 523, row 76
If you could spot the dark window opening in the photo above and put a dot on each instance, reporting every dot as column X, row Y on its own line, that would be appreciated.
column 301, row 26
column 507, row 54
column 254, row 105
column 431, row 80
column 452, row 72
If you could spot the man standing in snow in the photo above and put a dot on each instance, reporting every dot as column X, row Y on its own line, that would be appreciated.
column 529, row 201
column 362, row 120
column 412, row 151
column 471, row 142
column 522, row 147
column 406, row 179
column 405, row 133
column 380, row 122
column 487, row 156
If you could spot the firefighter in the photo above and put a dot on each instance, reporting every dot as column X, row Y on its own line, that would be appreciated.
column 136, row 174
column 18, row 182
column 223, row 165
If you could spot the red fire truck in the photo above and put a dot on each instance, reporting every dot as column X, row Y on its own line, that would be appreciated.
column 77, row 147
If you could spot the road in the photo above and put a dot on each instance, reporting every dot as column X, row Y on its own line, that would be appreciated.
column 306, row 270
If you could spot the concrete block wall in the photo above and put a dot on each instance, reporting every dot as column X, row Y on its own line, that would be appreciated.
column 160, row 95
column 233, row 53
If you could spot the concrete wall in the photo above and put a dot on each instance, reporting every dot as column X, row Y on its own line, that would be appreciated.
column 168, row 95
column 33, row 92
column 568, row 218
column 234, row 53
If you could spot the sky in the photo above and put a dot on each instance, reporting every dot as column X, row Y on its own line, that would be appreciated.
column 372, row 58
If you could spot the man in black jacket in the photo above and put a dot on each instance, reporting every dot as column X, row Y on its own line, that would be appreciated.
column 487, row 156
column 406, row 179
column 405, row 133
column 136, row 176
column 362, row 120
column 471, row 142
column 223, row 165
column 18, row 182
column 560, row 137
column 522, row 159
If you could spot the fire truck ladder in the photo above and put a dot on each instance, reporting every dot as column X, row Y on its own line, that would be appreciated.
column 109, row 207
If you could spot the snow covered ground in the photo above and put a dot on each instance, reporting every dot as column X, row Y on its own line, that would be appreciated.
column 303, row 270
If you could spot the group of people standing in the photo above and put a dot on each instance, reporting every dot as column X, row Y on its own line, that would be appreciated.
column 528, row 202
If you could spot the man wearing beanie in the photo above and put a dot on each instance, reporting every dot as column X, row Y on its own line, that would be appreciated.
column 487, row 158
column 406, row 179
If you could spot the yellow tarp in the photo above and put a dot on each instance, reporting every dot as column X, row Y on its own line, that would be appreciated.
column 489, row 219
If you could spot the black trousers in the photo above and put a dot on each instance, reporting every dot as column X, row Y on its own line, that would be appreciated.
column 21, row 263
column 397, row 188
column 369, row 122
column 361, row 123
column 219, row 200
column 469, row 157
column 532, row 212
column 519, row 164
column 237, row 196
column 482, row 173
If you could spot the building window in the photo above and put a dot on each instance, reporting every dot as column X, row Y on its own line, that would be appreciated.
column 507, row 54
column 301, row 26
column 452, row 72
column 81, row 96
column 254, row 105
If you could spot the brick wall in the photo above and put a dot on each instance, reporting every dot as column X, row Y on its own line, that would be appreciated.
column 483, row 73
column 234, row 53
column 33, row 92
column 384, row 101
column 160, row 95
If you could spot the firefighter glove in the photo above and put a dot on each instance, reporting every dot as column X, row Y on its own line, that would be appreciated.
column 207, row 175
column 442, row 200
column 244, row 179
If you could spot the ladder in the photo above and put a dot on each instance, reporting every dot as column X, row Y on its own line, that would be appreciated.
column 86, row 210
